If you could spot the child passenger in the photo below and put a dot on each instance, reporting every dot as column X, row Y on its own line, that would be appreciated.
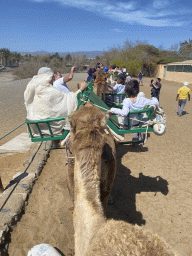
column 133, row 102
column 119, row 87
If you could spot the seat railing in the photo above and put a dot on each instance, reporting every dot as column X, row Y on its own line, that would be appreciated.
column 44, row 137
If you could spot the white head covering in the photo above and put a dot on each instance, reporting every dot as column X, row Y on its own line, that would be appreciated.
column 44, row 70
column 186, row 84
column 141, row 94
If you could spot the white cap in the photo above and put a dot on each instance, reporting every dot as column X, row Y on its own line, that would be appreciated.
column 44, row 70
column 43, row 249
column 186, row 84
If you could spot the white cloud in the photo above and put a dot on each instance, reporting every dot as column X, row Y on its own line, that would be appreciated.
column 125, row 12
column 139, row 17
column 125, row 6
column 160, row 4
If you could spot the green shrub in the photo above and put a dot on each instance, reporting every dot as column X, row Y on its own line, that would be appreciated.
column 133, row 66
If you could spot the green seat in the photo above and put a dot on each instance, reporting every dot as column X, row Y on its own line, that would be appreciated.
column 89, row 96
column 119, row 129
column 45, row 137
column 113, row 122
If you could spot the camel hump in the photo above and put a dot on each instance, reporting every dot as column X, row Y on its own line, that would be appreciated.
column 124, row 237
column 92, row 118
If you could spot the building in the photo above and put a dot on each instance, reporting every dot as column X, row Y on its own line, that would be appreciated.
column 176, row 71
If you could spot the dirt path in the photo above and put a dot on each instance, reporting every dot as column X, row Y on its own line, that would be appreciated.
column 153, row 188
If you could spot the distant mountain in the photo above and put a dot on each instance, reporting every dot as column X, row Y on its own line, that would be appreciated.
column 89, row 54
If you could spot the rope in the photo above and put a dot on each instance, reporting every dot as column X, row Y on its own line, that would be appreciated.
column 12, row 130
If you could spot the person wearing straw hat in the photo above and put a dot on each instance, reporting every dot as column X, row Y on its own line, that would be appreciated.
column 182, row 95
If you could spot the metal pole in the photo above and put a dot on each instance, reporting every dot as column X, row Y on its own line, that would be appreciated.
column 12, row 131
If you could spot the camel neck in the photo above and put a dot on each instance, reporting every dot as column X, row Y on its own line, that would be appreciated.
column 88, row 211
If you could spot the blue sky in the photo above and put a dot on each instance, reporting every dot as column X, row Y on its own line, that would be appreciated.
column 87, row 25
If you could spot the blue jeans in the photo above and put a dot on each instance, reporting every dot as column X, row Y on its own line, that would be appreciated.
column 181, row 105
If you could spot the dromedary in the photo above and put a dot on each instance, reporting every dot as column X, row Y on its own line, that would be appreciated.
column 88, row 128
column 94, row 235
column 100, row 84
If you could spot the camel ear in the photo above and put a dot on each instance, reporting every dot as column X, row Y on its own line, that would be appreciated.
column 104, row 121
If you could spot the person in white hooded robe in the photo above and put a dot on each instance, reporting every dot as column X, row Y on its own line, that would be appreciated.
column 43, row 101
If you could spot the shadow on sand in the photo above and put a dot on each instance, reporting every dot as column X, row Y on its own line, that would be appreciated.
column 185, row 113
column 127, row 186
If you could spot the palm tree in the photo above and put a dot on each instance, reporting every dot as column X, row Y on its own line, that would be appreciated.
column 16, row 57
column 4, row 53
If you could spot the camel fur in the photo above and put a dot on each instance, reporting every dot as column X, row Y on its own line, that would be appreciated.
column 100, row 84
column 89, row 125
column 94, row 234
column 93, row 149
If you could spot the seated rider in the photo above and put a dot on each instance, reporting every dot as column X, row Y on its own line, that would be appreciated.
column 119, row 87
column 90, row 72
column 60, row 82
column 43, row 101
column 133, row 102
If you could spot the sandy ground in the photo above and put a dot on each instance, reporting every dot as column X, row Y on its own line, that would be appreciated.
column 153, row 186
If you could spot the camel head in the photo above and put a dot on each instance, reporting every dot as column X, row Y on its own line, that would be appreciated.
column 100, row 75
column 88, row 124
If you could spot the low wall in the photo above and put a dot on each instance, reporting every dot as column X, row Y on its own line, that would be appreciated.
column 180, row 77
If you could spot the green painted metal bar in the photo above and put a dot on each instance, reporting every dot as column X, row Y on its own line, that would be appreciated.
column 12, row 130
column 139, row 119
column 30, row 132
column 49, row 127
column 37, row 125
column 47, row 138
column 46, row 120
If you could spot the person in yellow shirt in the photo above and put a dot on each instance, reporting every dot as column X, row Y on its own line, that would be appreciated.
column 183, row 94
